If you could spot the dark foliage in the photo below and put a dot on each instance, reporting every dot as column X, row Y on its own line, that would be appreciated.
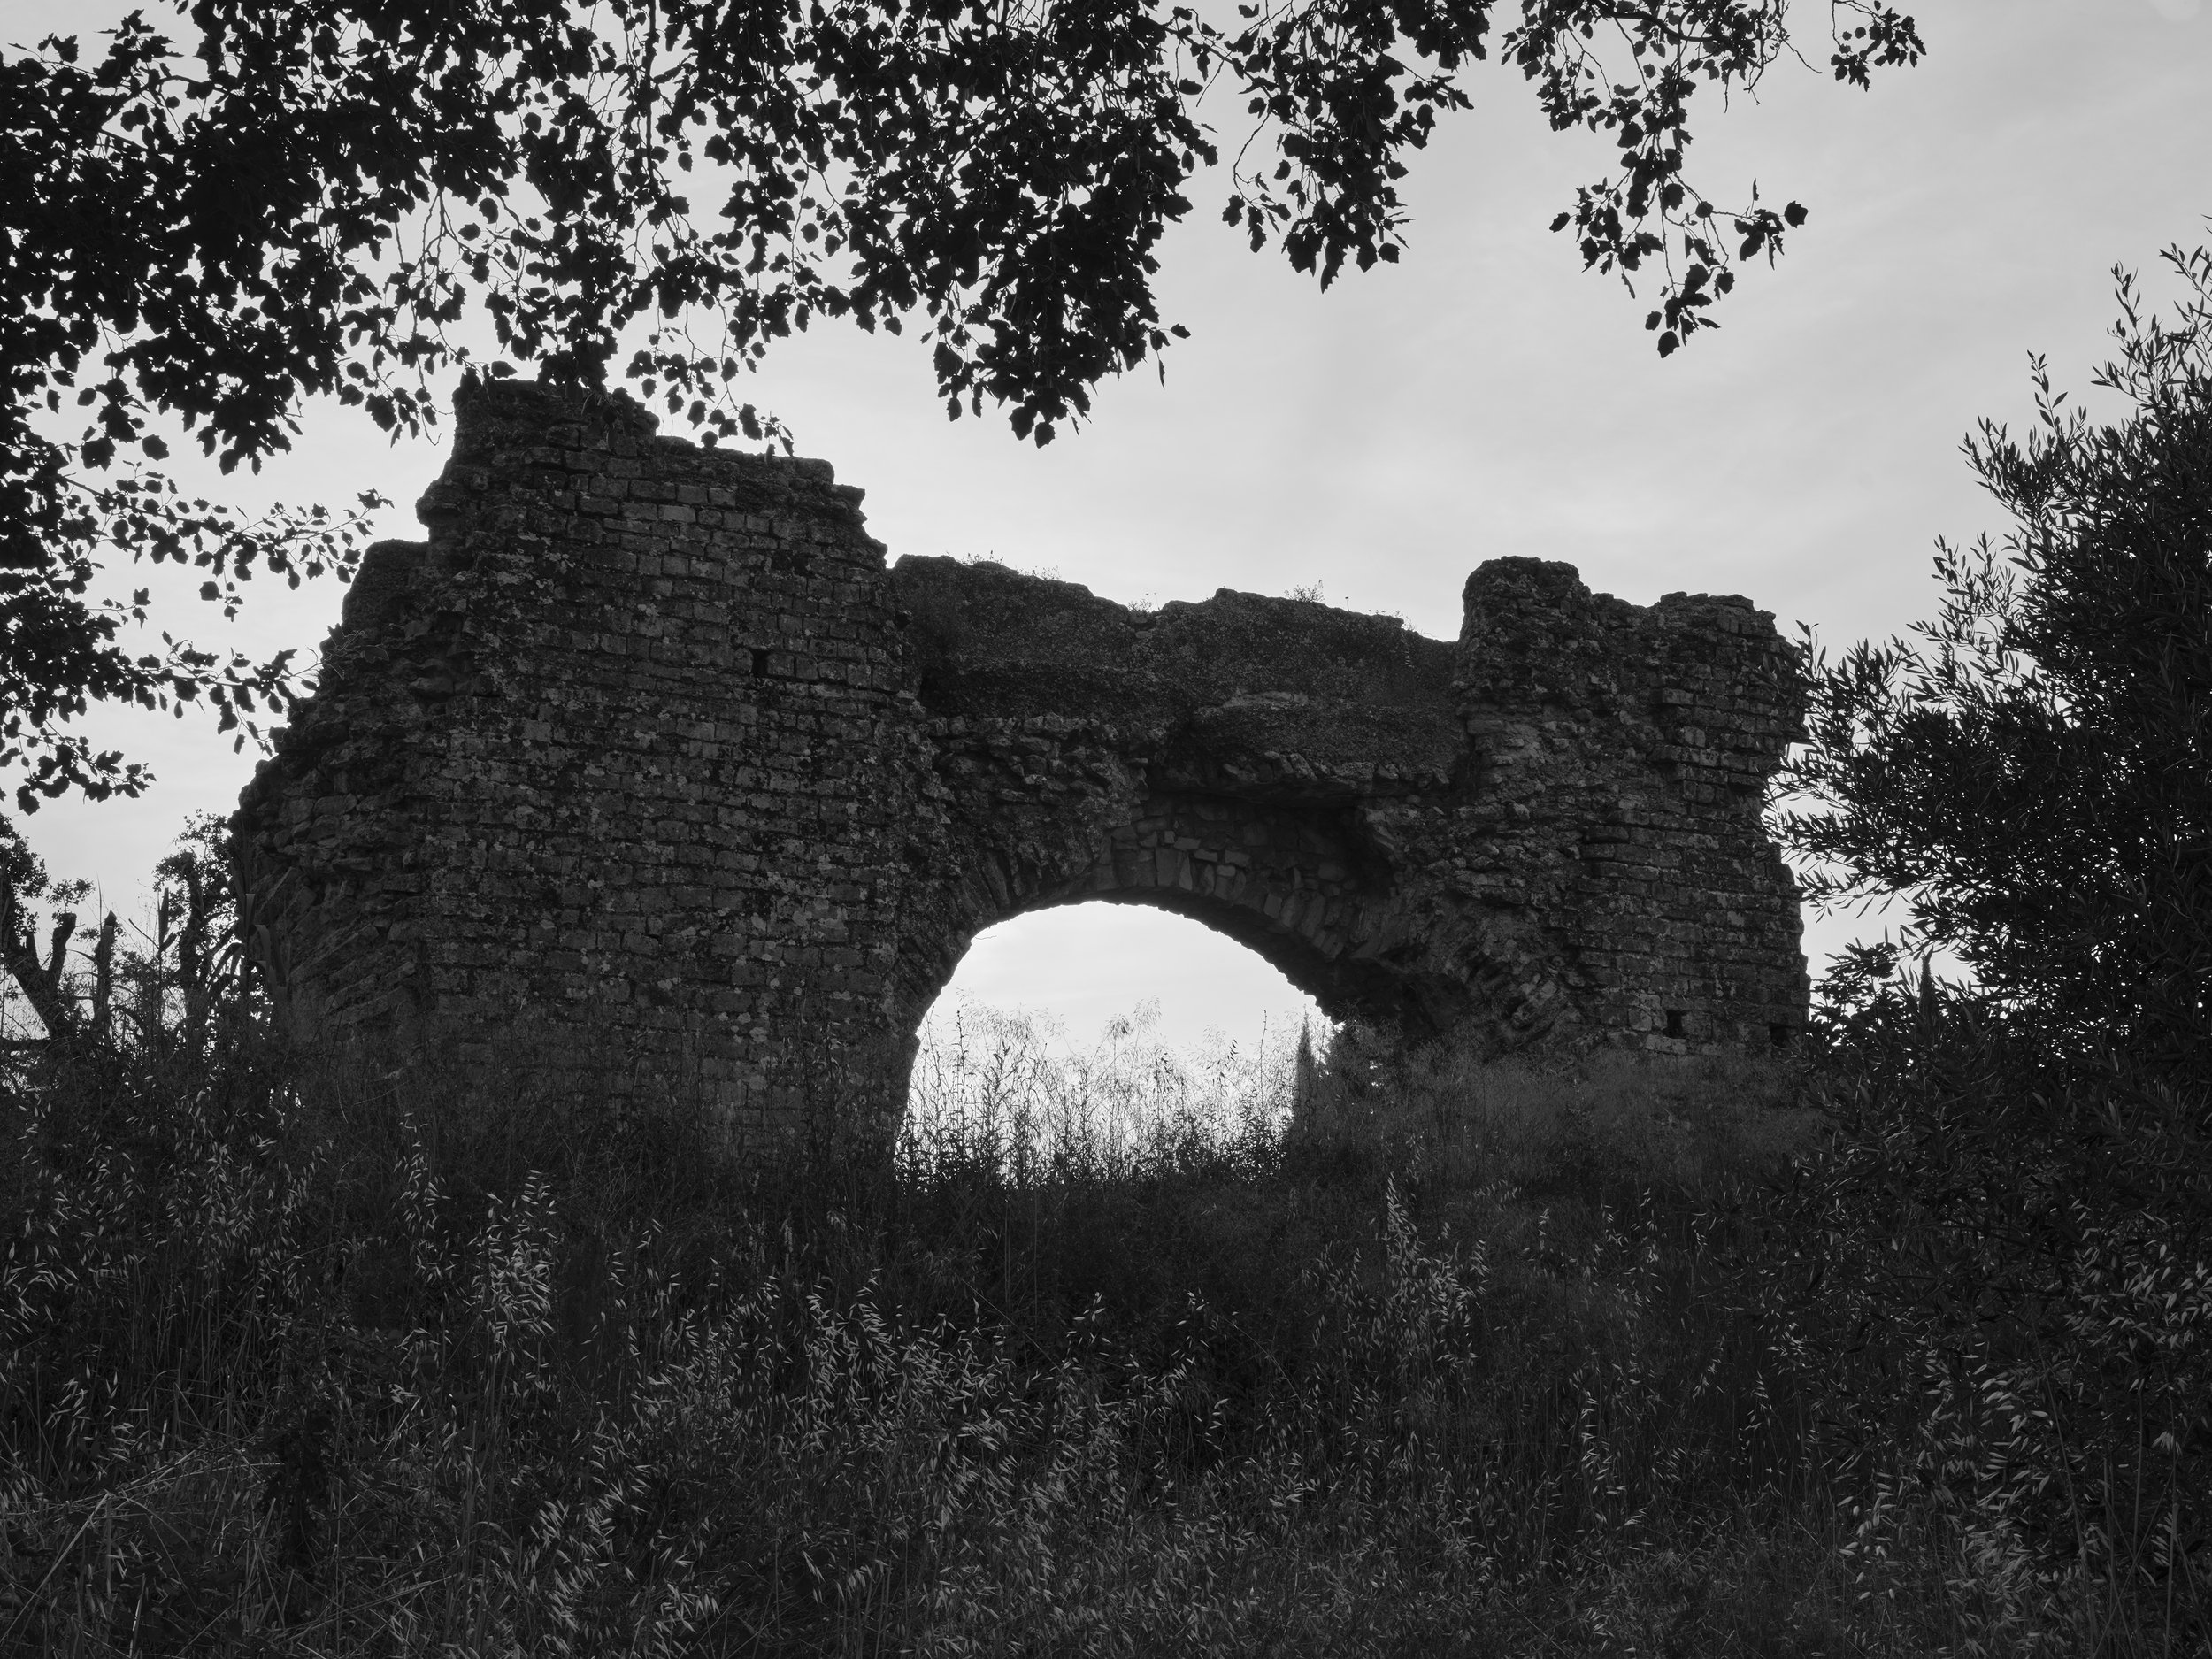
column 2038, row 780
column 2006, row 1259
column 306, row 198
column 1495, row 1327
column 2005, row 1263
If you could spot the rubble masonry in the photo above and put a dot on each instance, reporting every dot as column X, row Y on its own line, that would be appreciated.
column 646, row 750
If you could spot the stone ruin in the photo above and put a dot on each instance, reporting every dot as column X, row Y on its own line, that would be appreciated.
column 647, row 753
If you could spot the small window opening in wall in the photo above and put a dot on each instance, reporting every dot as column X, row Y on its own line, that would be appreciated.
column 1781, row 1035
column 1674, row 1022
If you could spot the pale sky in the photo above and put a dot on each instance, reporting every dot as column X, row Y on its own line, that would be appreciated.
column 1486, row 396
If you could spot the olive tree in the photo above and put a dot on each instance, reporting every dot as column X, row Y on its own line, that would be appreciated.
column 2034, row 775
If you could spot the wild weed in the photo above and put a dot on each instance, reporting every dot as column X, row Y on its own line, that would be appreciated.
column 1124, row 1355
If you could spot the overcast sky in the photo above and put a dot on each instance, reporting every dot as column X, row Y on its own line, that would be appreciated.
column 1484, row 396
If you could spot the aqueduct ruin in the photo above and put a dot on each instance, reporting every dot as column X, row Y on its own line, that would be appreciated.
column 646, row 745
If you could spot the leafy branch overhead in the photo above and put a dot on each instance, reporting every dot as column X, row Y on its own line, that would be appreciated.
column 306, row 199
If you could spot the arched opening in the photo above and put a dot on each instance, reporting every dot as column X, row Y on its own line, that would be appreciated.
column 1085, row 965
column 1303, row 891
column 1118, row 1019
column 1299, row 884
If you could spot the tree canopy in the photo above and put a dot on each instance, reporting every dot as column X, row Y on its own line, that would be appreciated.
column 2035, row 779
column 306, row 200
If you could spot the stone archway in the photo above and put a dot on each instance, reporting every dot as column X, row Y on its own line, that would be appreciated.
column 647, row 743
column 1284, row 772
column 1290, row 892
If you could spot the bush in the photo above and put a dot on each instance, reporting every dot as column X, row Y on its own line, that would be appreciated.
column 349, row 1361
column 2005, row 1261
column 2002, row 1266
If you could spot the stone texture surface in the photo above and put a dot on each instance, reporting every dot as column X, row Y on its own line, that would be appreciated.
column 645, row 751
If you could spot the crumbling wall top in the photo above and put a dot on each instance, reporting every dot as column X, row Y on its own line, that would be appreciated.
column 1253, row 673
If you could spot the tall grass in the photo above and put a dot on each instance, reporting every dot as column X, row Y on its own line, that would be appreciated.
column 1118, row 1356
column 1010, row 1085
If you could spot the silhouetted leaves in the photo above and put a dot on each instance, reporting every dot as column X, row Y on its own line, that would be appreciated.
column 306, row 198
column 2037, row 779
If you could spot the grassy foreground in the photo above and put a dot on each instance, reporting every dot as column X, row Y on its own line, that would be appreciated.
column 1122, row 1357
